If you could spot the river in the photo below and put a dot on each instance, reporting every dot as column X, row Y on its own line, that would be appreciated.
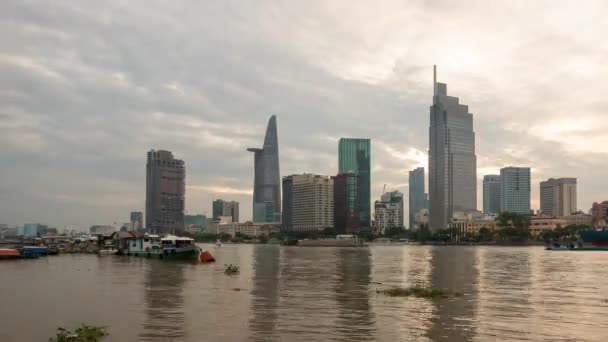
column 313, row 294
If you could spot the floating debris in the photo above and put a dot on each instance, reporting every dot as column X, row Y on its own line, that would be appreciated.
column 231, row 269
column 418, row 292
column 85, row 333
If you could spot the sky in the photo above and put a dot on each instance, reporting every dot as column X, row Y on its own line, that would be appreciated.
column 88, row 87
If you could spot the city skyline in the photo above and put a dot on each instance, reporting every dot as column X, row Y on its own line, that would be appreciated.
column 68, row 115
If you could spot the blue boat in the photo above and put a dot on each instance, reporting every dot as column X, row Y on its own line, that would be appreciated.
column 590, row 240
column 34, row 251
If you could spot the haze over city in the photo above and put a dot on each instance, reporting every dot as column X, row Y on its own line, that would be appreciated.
column 86, row 91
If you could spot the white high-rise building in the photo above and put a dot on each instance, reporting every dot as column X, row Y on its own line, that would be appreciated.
column 515, row 190
column 452, row 160
column 558, row 197
column 311, row 202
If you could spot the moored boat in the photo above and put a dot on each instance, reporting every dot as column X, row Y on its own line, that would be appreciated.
column 29, row 251
column 108, row 251
column 8, row 253
column 168, row 247
column 590, row 240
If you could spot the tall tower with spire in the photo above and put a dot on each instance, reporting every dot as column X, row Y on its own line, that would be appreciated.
column 452, row 160
column 267, row 179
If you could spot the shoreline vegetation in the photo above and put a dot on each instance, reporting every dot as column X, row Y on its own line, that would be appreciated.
column 511, row 230
column 418, row 291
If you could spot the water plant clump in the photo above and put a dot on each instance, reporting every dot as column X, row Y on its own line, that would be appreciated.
column 231, row 269
column 84, row 333
column 418, row 292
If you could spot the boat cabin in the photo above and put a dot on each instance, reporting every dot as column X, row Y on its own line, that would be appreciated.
column 172, row 241
column 145, row 244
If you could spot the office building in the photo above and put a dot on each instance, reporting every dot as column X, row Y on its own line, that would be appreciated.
column 346, row 203
column 558, row 196
column 417, row 196
column 311, row 206
column 395, row 197
column 137, row 220
column 165, row 192
column 515, row 190
column 266, row 183
column 452, row 160
column 388, row 212
column 491, row 194
column 195, row 220
column 102, row 230
column 226, row 208
column 354, row 156
column 32, row 229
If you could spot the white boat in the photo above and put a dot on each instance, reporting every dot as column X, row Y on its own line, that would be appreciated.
column 111, row 251
column 218, row 243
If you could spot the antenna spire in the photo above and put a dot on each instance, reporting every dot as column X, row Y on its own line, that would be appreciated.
column 434, row 80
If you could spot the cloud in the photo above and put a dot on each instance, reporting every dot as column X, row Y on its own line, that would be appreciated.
column 87, row 89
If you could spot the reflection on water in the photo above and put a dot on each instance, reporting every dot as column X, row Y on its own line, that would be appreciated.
column 355, row 319
column 265, row 293
column 163, row 299
column 313, row 294
column 453, row 318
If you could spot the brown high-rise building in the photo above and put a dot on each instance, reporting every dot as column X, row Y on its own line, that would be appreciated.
column 165, row 192
column 346, row 203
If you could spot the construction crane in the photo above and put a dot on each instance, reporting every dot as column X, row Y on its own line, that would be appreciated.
column 384, row 189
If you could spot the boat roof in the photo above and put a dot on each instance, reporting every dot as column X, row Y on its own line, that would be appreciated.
column 175, row 238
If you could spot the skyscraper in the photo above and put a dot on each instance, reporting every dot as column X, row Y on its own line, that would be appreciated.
column 225, row 208
column 137, row 220
column 346, row 203
column 311, row 206
column 388, row 212
column 267, row 180
column 452, row 160
column 354, row 156
column 491, row 194
column 515, row 190
column 558, row 196
column 417, row 197
column 165, row 192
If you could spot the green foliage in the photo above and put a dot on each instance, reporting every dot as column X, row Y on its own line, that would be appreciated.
column 395, row 232
column 84, row 333
column 513, row 227
column 329, row 232
column 206, row 237
column 366, row 234
column 568, row 233
column 263, row 238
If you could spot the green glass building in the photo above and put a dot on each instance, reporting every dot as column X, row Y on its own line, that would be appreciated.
column 355, row 157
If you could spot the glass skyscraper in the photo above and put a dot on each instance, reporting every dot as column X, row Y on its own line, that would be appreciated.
column 491, row 194
column 515, row 190
column 452, row 160
column 355, row 157
column 417, row 197
column 267, row 180
column 346, row 203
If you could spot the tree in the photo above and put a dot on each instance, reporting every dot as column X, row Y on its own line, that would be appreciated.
column 329, row 232
column 394, row 232
column 263, row 238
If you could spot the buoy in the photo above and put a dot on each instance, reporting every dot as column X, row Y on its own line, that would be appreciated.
column 207, row 257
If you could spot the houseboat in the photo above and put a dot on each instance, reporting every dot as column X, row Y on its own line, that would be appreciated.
column 34, row 251
column 168, row 247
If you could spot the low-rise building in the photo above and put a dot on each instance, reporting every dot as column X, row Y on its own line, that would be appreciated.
column 421, row 218
column 538, row 224
column 578, row 219
column 248, row 228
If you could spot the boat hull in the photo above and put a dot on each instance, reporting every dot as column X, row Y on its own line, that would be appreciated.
column 171, row 253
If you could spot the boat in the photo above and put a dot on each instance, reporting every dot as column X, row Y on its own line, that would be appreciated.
column 590, row 240
column 29, row 251
column 344, row 240
column 168, row 247
column 218, row 243
column 8, row 253
column 108, row 251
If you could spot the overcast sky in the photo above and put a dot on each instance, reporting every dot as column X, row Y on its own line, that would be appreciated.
column 88, row 87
